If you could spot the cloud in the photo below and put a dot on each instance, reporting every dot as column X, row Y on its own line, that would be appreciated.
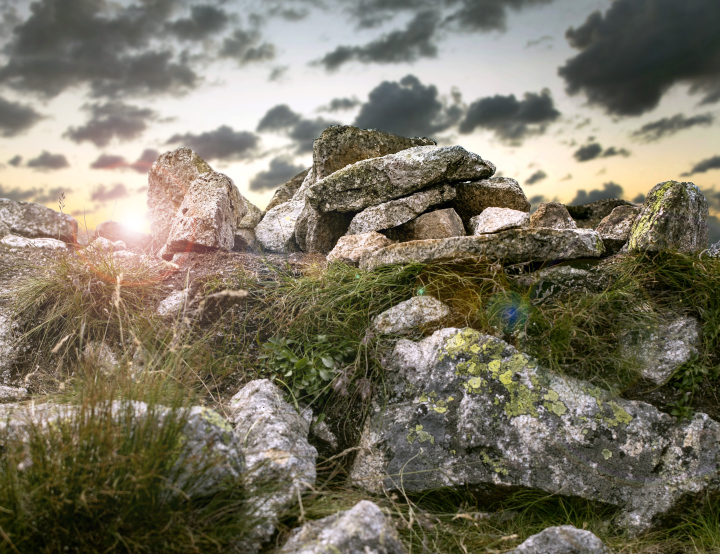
column 704, row 166
column 18, row 194
column 536, row 177
column 51, row 195
column 204, row 21
column 16, row 160
column 488, row 15
column 112, row 161
column 639, row 199
column 101, row 193
column 109, row 161
column 407, row 108
column 713, row 198
column 281, row 119
column 609, row 190
column 668, row 126
column 567, row 177
column 595, row 150
column 16, row 118
column 48, row 162
column 511, row 119
column 415, row 41
column 631, row 55
column 111, row 120
column 145, row 161
column 223, row 143
column 277, row 118
column 278, row 73
column 539, row 41
column 281, row 170
column 340, row 104
column 245, row 47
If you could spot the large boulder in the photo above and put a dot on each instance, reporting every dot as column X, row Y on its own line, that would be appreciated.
column 276, row 231
column 674, row 217
column 285, row 192
column 377, row 180
column 565, row 539
column 494, row 220
column 115, row 231
column 439, row 224
column 169, row 180
column 208, row 216
column 31, row 220
column 498, row 192
column 319, row 232
column 614, row 229
column 588, row 216
column 351, row 248
column 512, row 246
column 463, row 409
column 551, row 215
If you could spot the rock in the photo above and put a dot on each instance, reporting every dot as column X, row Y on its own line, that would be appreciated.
column 615, row 228
column 714, row 250
column 564, row 280
column 363, row 529
column 410, row 315
column 589, row 216
column 511, row 247
column 31, row 220
column 276, row 231
column 280, row 461
column 662, row 349
column 370, row 182
column 285, row 192
column 468, row 410
column 440, row 224
column 8, row 350
column 4, row 230
column 12, row 394
column 253, row 215
column 350, row 248
column 100, row 354
column 494, row 220
column 674, row 217
column 15, row 241
column 173, row 304
column 565, row 539
column 244, row 240
column 396, row 212
column 115, row 231
column 551, row 215
column 498, row 192
column 319, row 232
column 101, row 244
column 169, row 180
column 208, row 216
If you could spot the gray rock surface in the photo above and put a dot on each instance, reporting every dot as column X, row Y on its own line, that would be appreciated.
column 285, row 192
column 663, row 348
column 12, row 394
column 115, row 231
column 173, row 304
column 565, row 280
column 15, row 242
column 319, row 232
column 674, row 216
column 276, row 231
column 565, row 539
column 551, row 215
column 351, row 248
column 439, row 224
column 410, row 315
column 588, row 216
column 31, row 220
column 614, row 229
column 494, row 220
column 244, row 239
column 106, row 245
column 208, row 216
column 374, row 181
column 280, row 461
column 466, row 409
column 396, row 212
column 363, row 529
column 512, row 246
column 498, row 192
column 714, row 250
column 169, row 180
column 253, row 215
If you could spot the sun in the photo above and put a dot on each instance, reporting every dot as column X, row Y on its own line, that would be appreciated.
column 135, row 223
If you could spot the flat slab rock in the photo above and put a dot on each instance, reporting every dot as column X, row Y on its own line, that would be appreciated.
column 565, row 539
column 494, row 220
column 351, row 248
column 32, row 220
column 511, row 246
column 412, row 314
column 467, row 409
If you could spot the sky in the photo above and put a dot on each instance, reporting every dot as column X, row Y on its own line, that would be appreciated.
column 577, row 100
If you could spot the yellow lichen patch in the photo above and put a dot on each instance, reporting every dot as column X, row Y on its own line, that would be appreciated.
column 619, row 415
column 507, row 377
column 214, row 418
column 420, row 435
column 606, row 454
column 495, row 465
column 475, row 385
column 494, row 367
column 522, row 401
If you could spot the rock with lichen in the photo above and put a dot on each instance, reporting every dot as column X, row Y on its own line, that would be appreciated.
column 564, row 539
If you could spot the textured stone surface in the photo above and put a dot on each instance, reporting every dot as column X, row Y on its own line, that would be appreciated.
column 115, row 231
column 169, row 180
column 363, row 529
column 615, row 228
column 15, row 241
column 551, row 215
column 714, row 250
column 208, row 216
column 253, row 215
column 106, row 245
column 285, row 192
column 396, row 212
column 173, row 304
column 494, row 220
column 664, row 347
column 319, row 232
column 350, row 248
column 276, row 231
column 512, row 246
column 244, row 240
column 412, row 314
column 674, row 216
column 440, row 224
column 31, row 220
column 498, row 192
column 564, row 280
column 12, row 394
column 588, row 216
column 280, row 461
column 466, row 409
column 377, row 180
column 565, row 539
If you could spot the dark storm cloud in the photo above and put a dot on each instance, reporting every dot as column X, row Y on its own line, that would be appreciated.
column 511, row 119
column 277, row 118
column 704, row 166
column 633, row 53
column 281, row 170
column 609, row 190
column 101, row 193
column 281, row 119
column 109, row 161
column 48, row 162
column 713, row 197
column 340, row 104
column 111, row 120
column 488, row 15
column 245, row 47
column 595, row 150
column 639, row 199
column 223, row 143
column 668, row 126
column 536, row 177
column 204, row 21
column 407, row 108
column 413, row 42
column 17, row 193
column 51, row 195
column 15, row 161
column 16, row 118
